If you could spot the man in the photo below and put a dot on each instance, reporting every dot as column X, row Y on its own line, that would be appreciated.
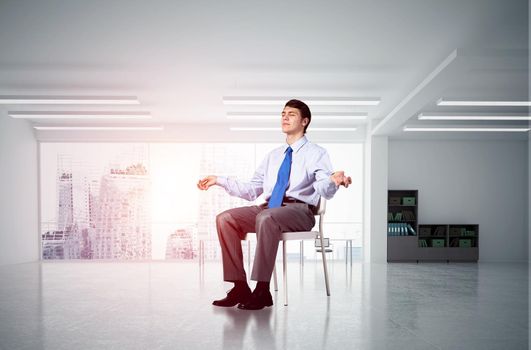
column 293, row 177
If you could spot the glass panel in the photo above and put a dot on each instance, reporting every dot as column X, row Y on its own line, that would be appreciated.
column 138, row 201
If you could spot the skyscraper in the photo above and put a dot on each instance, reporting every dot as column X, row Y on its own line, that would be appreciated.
column 180, row 245
column 73, row 209
column 53, row 244
column 65, row 207
column 123, row 224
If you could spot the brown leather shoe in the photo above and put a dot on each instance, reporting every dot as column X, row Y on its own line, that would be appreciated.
column 234, row 296
column 258, row 300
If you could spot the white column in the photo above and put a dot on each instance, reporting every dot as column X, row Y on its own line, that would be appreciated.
column 19, row 213
column 375, row 216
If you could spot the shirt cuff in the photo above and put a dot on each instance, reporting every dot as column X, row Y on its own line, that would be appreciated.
column 221, row 181
column 332, row 186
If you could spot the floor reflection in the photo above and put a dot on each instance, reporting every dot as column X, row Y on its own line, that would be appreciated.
column 163, row 306
column 241, row 323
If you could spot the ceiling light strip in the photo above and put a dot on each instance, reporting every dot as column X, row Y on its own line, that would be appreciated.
column 473, row 117
column 456, row 129
column 61, row 100
column 80, row 115
column 279, row 129
column 277, row 116
column 99, row 128
column 464, row 103
column 316, row 101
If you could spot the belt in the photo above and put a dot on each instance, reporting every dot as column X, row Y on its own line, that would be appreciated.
column 292, row 200
column 313, row 208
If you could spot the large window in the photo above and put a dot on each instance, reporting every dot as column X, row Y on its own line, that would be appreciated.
column 140, row 200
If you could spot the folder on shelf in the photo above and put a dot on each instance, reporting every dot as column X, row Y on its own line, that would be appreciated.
column 437, row 243
column 465, row 243
column 408, row 200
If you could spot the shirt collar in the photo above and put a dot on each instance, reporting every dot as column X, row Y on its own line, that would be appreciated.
column 297, row 145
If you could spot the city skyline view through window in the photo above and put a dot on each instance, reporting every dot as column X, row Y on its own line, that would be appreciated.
column 136, row 201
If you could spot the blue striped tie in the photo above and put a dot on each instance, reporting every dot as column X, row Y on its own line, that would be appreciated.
column 282, row 181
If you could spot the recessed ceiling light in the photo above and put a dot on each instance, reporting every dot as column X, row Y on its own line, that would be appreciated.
column 79, row 115
column 279, row 129
column 276, row 116
column 443, row 102
column 486, row 129
column 61, row 100
column 316, row 101
column 425, row 116
column 100, row 128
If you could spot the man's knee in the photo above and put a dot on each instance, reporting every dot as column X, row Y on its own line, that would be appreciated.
column 265, row 217
column 223, row 218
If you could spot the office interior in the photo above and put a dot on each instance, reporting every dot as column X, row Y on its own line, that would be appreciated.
column 424, row 96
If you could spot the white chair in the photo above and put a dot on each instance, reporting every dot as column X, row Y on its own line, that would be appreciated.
column 302, row 235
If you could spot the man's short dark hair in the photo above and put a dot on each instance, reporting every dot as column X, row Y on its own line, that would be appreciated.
column 303, row 108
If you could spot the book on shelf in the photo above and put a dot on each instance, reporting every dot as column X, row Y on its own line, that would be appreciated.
column 424, row 231
column 400, row 216
column 462, row 242
column 408, row 215
column 462, row 232
column 440, row 231
column 400, row 229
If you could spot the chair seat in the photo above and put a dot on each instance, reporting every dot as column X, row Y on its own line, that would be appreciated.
column 288, row 236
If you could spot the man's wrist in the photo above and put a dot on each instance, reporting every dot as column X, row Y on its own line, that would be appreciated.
column 221, row 181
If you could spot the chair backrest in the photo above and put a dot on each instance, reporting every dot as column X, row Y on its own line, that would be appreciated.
column 321, row 206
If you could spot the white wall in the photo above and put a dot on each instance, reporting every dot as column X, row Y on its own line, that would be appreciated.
column 469, row 182
column 19, row 192
column 366, row 244
column 375, row 237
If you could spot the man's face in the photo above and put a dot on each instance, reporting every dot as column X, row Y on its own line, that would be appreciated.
column 292, row 122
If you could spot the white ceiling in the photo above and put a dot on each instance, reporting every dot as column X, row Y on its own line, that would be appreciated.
column 180, row 58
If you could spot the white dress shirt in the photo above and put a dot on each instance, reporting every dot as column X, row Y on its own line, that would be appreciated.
column 309, row 177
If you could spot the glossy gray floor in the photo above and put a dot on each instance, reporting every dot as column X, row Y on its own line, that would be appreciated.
column 158, row 305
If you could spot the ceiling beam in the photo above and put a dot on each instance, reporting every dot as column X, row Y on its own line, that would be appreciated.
column 430, row 87
column 449, row 72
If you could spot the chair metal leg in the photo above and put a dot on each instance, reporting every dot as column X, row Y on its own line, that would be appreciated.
column 275, row 283
column 302, row 253
column 350, row 250
column 201, row 252
column 249, row 256
column 347, row 249
column 284, row 263
column 325, row 268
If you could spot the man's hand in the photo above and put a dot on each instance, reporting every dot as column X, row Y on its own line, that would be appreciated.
column 339, row 178
column 207, row 182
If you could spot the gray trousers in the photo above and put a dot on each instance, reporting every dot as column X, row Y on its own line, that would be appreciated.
column 234, row 224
